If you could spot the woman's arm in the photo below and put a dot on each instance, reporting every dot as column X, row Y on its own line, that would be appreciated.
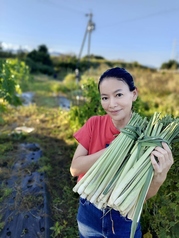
column 81, row 161
column 161, row 168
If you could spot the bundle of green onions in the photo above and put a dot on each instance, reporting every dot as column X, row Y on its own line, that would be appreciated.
column 121, row 177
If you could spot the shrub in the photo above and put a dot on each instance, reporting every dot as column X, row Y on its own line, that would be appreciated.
column 13, row 73
column 160, row 215
column 70, row 81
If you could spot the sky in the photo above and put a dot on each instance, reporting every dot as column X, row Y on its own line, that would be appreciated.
column 146, row 31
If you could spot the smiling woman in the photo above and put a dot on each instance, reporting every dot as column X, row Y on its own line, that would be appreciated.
column 117, row 98
column 118, row 92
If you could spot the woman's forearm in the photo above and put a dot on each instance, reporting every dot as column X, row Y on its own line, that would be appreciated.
column 81, row 164
column 153, row 189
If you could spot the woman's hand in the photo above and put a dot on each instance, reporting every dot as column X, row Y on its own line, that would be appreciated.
column 162, row 161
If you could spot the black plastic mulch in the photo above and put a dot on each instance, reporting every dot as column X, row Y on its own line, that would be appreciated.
column 25, row 212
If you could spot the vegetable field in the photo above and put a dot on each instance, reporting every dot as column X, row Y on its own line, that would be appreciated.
column 53, row 128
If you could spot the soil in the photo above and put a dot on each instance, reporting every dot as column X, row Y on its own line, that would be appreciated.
column 54, row 162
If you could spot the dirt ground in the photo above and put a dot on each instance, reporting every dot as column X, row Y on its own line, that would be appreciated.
column 49, row 134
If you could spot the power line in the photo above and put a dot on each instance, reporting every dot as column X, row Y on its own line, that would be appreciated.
column 54, row 4
column 140, row 18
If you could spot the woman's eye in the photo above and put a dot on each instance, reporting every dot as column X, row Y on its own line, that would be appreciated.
column 104, row 98
column 119, row 95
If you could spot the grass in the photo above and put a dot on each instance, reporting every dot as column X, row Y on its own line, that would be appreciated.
column 54, row 135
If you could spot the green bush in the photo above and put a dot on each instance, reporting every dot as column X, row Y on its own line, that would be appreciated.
column 70, row 81
column 171, row 64
column 13, row 74
column 92, row 105
column 40, row 61
column 160, row 215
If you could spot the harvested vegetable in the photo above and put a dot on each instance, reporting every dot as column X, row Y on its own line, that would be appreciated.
column 121, row 177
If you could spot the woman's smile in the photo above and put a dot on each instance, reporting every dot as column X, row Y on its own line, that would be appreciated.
column 115, row 112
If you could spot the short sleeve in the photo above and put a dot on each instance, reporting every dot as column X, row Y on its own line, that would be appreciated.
column 84, row 134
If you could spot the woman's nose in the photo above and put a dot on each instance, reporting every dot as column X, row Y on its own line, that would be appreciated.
column 112, row 103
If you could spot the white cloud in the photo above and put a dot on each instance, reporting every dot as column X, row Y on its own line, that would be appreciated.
column 10, row 46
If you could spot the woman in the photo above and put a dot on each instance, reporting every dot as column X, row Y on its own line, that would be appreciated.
column 117, row 92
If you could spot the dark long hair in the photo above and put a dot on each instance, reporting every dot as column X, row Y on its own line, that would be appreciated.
column 120, row 74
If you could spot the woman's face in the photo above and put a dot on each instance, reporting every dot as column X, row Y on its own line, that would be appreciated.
column 117, row 99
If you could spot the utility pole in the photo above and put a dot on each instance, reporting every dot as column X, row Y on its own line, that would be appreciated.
column 89, row 28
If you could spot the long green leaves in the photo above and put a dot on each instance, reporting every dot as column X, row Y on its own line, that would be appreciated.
column 121, row 177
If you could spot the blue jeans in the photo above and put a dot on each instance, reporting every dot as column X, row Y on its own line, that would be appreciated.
column 106, row 223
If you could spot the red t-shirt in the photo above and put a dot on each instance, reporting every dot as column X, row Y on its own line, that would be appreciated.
column 96, row 134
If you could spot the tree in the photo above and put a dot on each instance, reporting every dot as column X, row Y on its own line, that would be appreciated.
column 43, row 49
column 40, row 56
column 92, row 56
column 171, row 64
column 39, row 60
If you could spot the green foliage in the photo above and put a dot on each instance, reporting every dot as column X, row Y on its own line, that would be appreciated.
column 161, row 214
column 140, row 106
column 44, row 165
column 57, row 229
column 94, row 57
column 4, row 192
column 171, row 64
column 92, row 105
column 6, row 54
column 52, row 130
column 13, row 73
column 5, row 147
column 70, row 82
column 41, row 55
column 40, row 61
column 2, row 224
column 67, row 63
column 159, row 91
